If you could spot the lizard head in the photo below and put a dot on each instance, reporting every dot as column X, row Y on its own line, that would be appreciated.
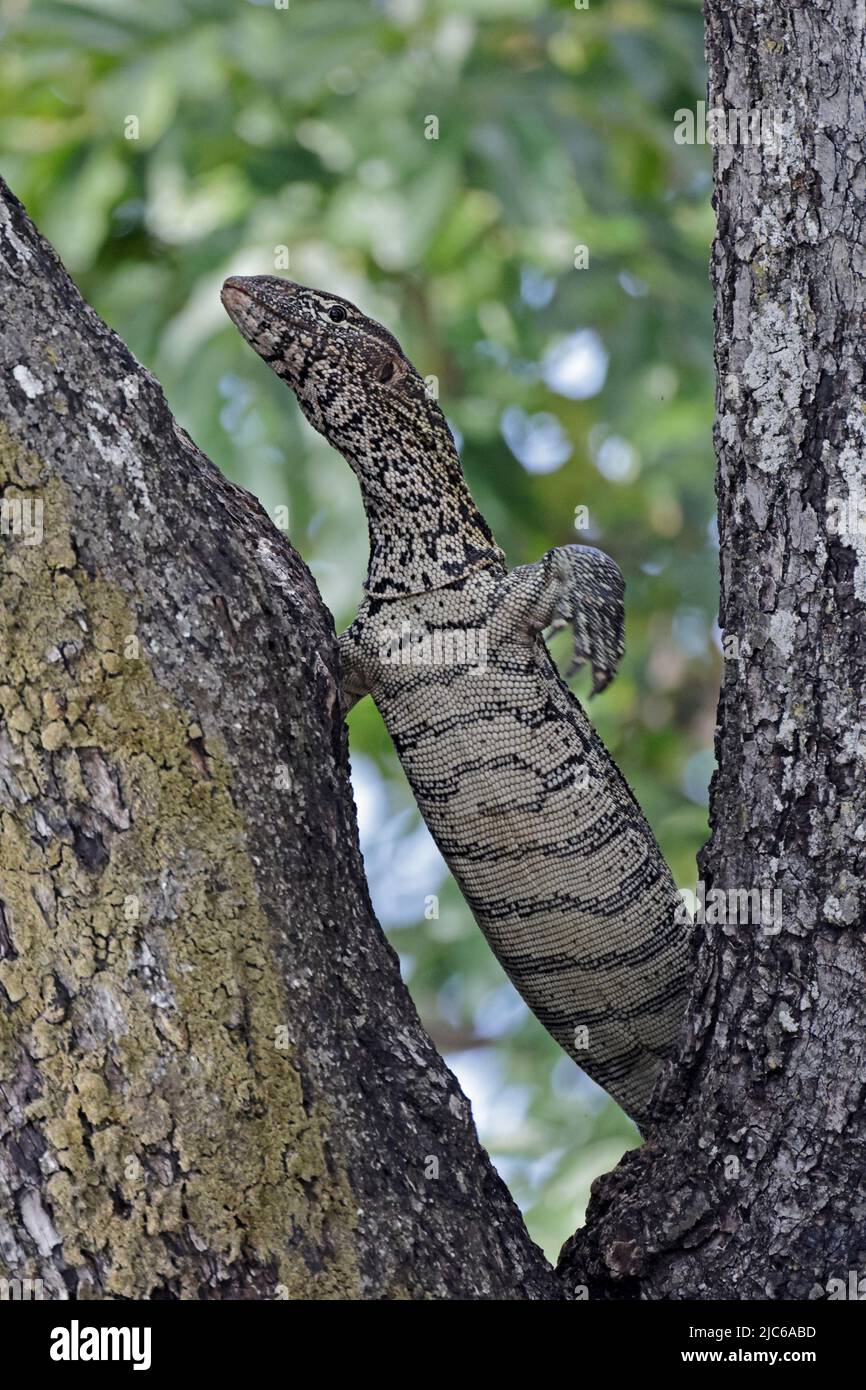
column 357, row 387
column 345, row 369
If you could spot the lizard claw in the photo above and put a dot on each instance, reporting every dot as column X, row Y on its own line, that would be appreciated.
column 591, row 601
column 601, row 679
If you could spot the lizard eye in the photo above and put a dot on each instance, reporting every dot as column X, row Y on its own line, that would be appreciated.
column 336, row 313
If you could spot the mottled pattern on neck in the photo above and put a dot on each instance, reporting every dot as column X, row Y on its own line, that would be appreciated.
column 434, row 540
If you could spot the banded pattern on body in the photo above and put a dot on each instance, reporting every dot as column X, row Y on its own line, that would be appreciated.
column 539, row 828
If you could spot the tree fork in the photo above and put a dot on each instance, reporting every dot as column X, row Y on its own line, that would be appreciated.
column 213, row 1083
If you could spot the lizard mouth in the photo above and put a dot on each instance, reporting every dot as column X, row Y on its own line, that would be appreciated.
column 238, row 294
column 267, row 322
column 232, row 287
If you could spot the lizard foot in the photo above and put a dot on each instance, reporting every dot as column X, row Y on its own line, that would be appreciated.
column 589, row 598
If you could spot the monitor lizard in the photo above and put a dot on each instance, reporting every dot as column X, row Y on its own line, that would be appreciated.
column 535, row 820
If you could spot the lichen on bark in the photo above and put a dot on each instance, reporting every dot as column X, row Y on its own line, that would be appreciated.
column 137, row 960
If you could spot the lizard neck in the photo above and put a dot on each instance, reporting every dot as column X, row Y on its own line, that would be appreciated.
column 426, row 539
column 425, row 529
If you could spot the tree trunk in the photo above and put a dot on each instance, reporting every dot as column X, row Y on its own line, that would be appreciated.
column 753, row 1186
column 213, row 1082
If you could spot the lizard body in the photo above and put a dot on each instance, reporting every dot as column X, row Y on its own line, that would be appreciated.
column 539, row 828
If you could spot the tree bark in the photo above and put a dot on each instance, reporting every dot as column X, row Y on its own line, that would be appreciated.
column 752, row 1185
column 213, row 1083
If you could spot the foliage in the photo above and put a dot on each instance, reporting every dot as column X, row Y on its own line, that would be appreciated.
column 163, row 144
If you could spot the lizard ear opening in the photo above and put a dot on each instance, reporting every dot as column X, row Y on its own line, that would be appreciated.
column 386, row 372
column 389, row 370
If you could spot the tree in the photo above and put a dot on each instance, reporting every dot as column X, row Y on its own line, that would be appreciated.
column 214, row 1084
column 190, row 972
column 752, row 1187
column 555, row 133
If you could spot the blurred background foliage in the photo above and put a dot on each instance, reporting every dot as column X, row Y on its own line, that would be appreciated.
column 164, row 144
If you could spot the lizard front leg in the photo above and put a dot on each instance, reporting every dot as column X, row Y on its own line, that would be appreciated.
column 574, row 584
column 354, row 684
